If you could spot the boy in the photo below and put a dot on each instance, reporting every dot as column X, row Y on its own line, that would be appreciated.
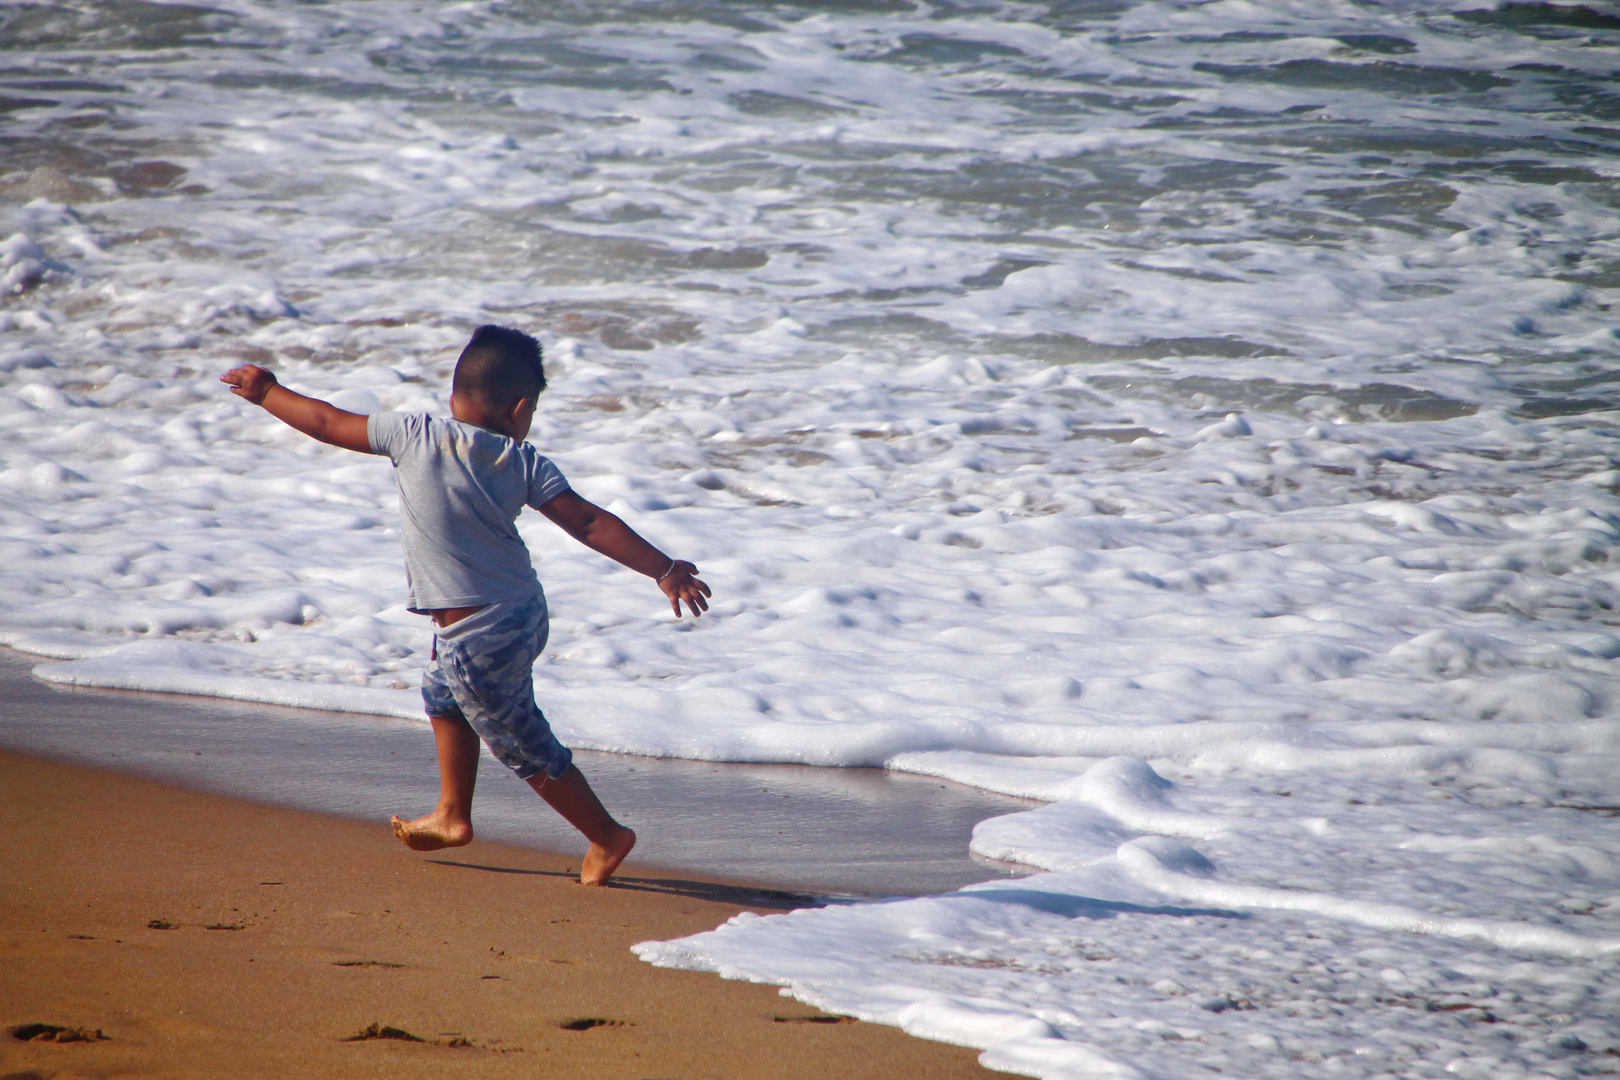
column 462, row 483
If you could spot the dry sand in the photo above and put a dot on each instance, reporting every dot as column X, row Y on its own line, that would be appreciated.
column 192, row 935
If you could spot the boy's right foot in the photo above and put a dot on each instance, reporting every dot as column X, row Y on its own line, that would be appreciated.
column 602, row 860
column 430, row 833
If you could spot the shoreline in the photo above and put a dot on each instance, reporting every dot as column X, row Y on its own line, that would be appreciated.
column 260, row 941
column 832, row 831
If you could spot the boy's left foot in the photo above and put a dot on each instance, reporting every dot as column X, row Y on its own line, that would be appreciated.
column 431, row 834
column 600, row 861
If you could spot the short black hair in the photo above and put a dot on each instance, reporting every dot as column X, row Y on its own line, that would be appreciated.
column 499, row 366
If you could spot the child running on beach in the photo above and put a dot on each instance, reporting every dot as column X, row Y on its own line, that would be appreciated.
column 462, row 483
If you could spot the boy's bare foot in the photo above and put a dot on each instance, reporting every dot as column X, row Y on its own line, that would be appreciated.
column 430, row 833
column 601, row 861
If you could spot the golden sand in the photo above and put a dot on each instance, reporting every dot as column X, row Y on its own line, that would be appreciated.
column 150, row 931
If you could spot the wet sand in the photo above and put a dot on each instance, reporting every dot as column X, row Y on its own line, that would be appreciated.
column 190, row 934
column 830, row 831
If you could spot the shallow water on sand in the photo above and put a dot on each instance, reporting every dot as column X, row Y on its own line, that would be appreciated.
column 828, row 832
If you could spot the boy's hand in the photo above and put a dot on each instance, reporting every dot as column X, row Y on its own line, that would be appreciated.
column 249, row 381
column 681, row 583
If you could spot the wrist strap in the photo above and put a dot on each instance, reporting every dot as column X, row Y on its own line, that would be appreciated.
column 670, row 570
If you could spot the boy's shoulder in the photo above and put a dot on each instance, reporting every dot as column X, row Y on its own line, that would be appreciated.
column 421, row 426
column 395, row 433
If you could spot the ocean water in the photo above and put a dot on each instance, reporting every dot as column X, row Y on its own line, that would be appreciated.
column 1197, row 416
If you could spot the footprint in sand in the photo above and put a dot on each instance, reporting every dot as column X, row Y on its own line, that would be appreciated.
column 56, row 1033
column 383, row 1031
column 586, row 1023
column 813, row 1019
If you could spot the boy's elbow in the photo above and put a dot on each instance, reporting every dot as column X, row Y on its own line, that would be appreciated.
column 600, row 529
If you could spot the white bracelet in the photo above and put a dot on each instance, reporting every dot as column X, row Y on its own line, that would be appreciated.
column 666, row 573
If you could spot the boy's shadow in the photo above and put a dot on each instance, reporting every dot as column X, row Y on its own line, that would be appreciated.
column 741, row 895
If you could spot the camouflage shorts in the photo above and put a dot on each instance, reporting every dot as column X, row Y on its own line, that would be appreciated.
column 483, row 671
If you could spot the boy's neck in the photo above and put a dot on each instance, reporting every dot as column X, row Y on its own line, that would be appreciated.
column 513, row 422
column 480, row 422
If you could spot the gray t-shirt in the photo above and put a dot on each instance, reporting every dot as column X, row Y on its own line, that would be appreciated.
column 461, row 489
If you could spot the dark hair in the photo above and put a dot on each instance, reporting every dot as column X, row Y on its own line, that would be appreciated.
column 498, row 367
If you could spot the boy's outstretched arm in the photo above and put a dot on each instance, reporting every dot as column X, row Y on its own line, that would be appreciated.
column 315, row 418
column 607, row 533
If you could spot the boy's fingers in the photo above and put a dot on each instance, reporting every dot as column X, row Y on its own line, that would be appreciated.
column 694, row 602
column 690, row 590
column 250, row 382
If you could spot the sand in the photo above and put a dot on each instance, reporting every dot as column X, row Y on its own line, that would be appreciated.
column 834, row 832
column 194, row 935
